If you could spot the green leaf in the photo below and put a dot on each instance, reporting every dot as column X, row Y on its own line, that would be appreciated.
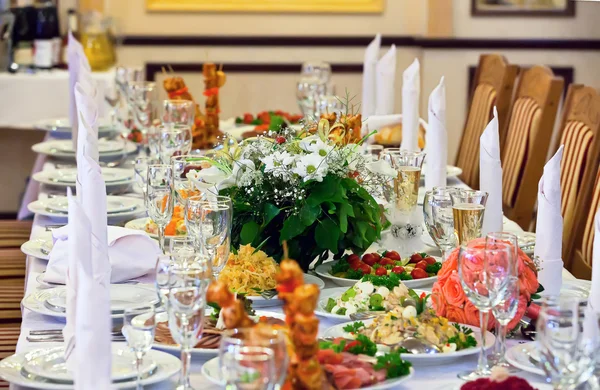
column 327, row 234
column 270, row 211
column 323, row 191
column 309, row 214
column 343, row 214
column 249, row 232
column 292, row 227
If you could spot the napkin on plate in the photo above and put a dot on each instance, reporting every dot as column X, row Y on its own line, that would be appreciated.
column 436, row 139
column 490, row 176
column 131, row 254
column 594, row 298
column 369, row 71
column 549, row 231
column 78, row 63
column 385, row 80
column 87, row 141
column 411, row 85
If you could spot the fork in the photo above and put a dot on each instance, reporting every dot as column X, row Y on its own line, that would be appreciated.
column 60, row 339
column 47, row 332
column 269, row 294
column 364, row 315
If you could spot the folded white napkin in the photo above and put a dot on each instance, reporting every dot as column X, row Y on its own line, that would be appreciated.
column 595, row 292
column 78, row 63
column 369, row 70
column 385, row 81
column 87, row 141
column 131, row 254
column 411, row 85
column 436, row 139
column 490, row 176
column 549, row 231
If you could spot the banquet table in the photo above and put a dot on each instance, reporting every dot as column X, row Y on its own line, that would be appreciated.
column 430, row 377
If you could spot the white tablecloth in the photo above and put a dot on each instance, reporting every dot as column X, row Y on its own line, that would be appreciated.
column 430, row 378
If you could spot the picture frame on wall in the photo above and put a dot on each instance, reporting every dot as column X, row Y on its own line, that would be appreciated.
column 290, row 6
column 556, row 8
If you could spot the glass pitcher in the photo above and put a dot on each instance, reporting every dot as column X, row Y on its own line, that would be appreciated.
column 98, row 43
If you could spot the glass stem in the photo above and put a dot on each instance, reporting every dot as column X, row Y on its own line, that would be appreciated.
column 161, row 237
column 497, row 346
column 482, row 364
column 186, row 357
column 138, row 364
column 443, row 254
column 502, row 344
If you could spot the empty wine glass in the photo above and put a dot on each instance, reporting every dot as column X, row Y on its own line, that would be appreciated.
column 160, row 198
column 180, row 112
column 249, row 368
column 374, row 151
column 182, row 249
column 328, row 104
column 216, row 216
column 484, row 275
column 468, row 207
column 175, row 140
column 567, row 337
column 320, row 69
column 140, row 167
column 163, row 264
column 260, row 336
column 187, row 302
column 437, row 213
column 139, row 325
column 308, row 89
column 123, row 76
column 141, row 97
column 181, row 166
column 193, row 207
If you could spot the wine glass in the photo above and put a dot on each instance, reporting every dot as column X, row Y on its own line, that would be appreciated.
column 123, row 76
column 180, row 112
column 406, row 184
column 374, row 151
column 182, row 249
column 321, row 70
column 567, row 337
column 174, row 140
column 484, row 275
column 163, row 265
column 259, row 336
column 160, row 198
column 468, row 207
column 140, row 167
column 141, row 97
column 215, row 220
column 308, row 89
column 139, row 325
column 187, row 293
column 249, row 368
column 437, row 213
column 328, row 104
column 181, row 166
column 193, row 207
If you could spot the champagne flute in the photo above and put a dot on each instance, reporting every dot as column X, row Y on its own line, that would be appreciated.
column 182, row 249
column 468, row 207
column 484, row 275
column 179, row 112
column 266, row 337
column 181, row 166
column 160, row 198
column 174, row 140
column 163, row 265
column 141, row 97
column 437, row 213
column 187, row 301
column 215, row 221
column 139, row 325
column 140, row 167
column 249, row 368
column 193, row 207
column 567, row 337
column 406, row 184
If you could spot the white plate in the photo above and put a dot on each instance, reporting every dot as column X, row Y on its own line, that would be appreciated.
column 120, row 294
column 211, row 371
column 51, row 364
column 140, row 224
column 113, row 204
column 323, row 271
column 39, row 247
column 43, row 284
column 104, row 146
column 258, row 301
column 135, row 207
column 451, row 171
column 519, row 354
column 61, row 128
column 423, row 358
column 58, row 149
column 574, row 289
column 66, row 177
column 167, row 366
column 210, row 352
column 335, row 293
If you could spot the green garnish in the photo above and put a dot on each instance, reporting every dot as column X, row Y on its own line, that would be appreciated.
column 464, row 339
column 433, row 268
column 354, row 328
column 390, row 281
column 354, row 274
column 363, row 346
column 339, row 267
column 393, row 364
column 350, row 293
column 330, row 305
column 341, row 311
column 375, row 302
column 337, row 348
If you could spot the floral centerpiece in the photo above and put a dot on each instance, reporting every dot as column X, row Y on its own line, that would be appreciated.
column 313, row 188
column 449, row 299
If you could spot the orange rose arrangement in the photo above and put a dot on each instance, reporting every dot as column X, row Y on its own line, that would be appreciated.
column 449, row 299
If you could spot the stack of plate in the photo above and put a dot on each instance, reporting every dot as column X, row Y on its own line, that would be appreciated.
column 45, row 368
column 61, row 128
column 63, row 149
column 117, row 207
column 66, row 177
column 53, row 301
column 39, row 247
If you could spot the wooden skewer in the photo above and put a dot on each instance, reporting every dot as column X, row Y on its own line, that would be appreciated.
column 171, row 68
column 220, row 67
column 163, row 70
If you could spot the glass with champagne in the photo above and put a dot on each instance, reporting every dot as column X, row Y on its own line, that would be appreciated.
column 406, row 184
column 468, row 207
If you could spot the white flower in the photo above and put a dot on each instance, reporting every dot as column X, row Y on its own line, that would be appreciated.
column 277, row 161
column 307, row 143
column 381, row 167
column 314, row 144
column 239, row 168
column 311, row 166
column 208, row 177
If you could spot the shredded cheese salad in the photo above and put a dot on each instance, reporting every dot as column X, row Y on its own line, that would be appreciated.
column 248, row 272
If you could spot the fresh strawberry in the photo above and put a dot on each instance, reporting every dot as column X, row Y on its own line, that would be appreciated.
column 422, row 264
column 386, row 261
column 415, row 258
column 380, row 271
column 369, row 259
column 430, row 260
column 398, row 269
column 365, row 268
column 248, row 118
column 393, row 255
column 419, row 273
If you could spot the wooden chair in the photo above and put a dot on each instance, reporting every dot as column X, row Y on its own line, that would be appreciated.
column 580, row 135
column 580, row 250
column 527, row 140
column 492, row 86
column 12, row 265
column 14, row 233
column 11, row 296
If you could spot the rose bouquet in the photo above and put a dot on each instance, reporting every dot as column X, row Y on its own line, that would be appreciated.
column 312, row 189
column 449, row 299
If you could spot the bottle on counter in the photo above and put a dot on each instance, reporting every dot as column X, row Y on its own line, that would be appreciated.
column 44, row 42
column 24, row 33
column 57, row 39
